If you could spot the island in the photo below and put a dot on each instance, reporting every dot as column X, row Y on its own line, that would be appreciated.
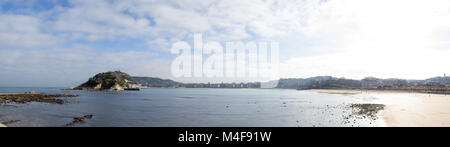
column 120, row 81
column 108, row 81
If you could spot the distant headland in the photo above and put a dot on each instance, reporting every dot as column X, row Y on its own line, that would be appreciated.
column 118, row 81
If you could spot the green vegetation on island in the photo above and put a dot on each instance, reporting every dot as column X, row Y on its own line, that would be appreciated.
column 118, row 81
column 108, row 81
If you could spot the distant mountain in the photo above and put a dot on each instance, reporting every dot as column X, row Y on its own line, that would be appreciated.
column 269, row 84
column 320, row 82
column 116, row 81
column 441, row 80
column 328, row 82
column 156, row 82
column 108, row 81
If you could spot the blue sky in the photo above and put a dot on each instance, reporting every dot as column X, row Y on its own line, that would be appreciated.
column 63, row 42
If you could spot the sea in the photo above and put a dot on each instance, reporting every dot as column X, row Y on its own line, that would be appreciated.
column 186, row 107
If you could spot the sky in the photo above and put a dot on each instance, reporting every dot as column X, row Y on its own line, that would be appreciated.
column 64, row 42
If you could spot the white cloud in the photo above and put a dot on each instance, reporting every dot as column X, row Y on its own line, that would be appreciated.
column 352, row 38
column 385, row 39
column 160, row 43
column 221, row 19
column 395, row 64
column 99, row 20
column 78, row 62
column 20, row 31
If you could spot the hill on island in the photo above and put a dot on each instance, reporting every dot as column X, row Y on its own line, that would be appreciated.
column 118, row 81
column 108, row 81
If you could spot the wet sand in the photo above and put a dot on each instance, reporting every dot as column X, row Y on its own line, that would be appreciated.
column 407, row 109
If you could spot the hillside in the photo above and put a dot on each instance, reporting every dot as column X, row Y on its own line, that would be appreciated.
column 108, row 81
column 328, row 82
column 321, row 82
column 156, row 82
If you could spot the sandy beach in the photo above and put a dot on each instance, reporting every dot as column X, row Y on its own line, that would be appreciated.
column 1, row 125
column 407, row 109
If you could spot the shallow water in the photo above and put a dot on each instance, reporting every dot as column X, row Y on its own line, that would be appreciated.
column 160, row 107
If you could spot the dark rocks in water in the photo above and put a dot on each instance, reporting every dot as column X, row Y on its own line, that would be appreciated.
column 132, row 89
column 367, row 110
column 80, row 119
column 89, row 116
column 23, row 98
column 10, row 122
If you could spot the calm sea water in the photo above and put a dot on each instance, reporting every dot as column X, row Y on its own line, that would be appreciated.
column 189, row 108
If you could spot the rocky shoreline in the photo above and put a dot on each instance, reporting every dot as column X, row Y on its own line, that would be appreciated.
column 23, row 98
column 4, row 124
column 28, row 97
column 369, row 111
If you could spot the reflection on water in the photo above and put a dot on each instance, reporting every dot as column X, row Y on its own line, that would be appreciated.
column 190, row 108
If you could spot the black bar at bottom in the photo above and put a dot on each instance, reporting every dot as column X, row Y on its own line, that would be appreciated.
column 215, row 136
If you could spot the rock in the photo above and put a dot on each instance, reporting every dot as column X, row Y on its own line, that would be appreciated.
column 31, row 92
column 70, row 88
column 34, row 97
column 89, row 116
column 79, row 119
column 10, row 122
column 366, row 110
